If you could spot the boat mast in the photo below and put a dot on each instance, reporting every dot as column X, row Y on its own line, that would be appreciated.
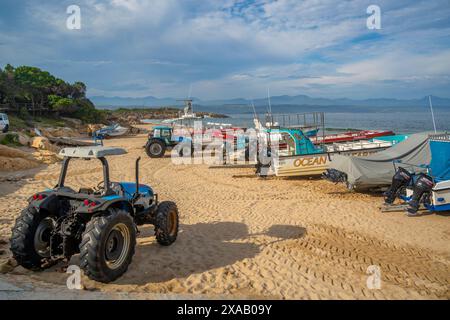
column 268, row 97
column 432, row 114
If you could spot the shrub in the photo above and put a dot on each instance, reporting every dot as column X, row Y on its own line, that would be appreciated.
column 10, row 140
column 87, row 113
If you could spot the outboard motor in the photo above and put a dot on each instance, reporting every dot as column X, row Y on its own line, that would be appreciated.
column 422, row 188
column 400, row 180
column 334, row 175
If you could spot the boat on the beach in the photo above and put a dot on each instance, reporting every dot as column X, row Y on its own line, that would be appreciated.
column 376, row 171
column 314, row 160
column 297, row 155
column 114, row 130
column 351, row 136
column 426, row 186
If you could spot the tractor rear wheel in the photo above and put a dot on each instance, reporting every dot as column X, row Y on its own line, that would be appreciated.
column 167, row 220
column 107, row 246
column 155, row 148
column 30, row 239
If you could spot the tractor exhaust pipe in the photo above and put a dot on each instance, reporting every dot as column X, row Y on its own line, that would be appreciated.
column 137, row 177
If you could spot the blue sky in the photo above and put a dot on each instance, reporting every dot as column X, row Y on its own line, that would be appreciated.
column 233, row 48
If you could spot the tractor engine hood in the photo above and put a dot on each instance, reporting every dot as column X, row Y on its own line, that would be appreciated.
column 129, row 188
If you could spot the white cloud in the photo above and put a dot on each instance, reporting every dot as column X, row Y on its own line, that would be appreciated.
column 289, row 45
column 394, row 66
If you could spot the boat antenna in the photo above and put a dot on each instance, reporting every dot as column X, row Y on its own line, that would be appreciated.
column 432, row 114
column 190, row 91
column 254, row 109
column 268, row 97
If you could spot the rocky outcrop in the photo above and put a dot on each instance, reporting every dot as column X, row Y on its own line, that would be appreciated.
column 59, row 132
column 91, row 128
column 43, row 143
column 12, row 159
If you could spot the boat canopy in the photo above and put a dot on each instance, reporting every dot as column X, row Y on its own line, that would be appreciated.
column 377, row 170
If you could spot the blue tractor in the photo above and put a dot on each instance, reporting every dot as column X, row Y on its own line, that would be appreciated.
column 99, row 223
column 162, row 138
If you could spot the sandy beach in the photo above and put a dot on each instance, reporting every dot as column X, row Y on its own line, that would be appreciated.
column 244, row 236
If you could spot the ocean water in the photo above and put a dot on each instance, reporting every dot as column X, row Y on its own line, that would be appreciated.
column 399, row 122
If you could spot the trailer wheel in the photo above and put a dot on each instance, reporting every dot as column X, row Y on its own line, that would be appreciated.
column 107, row 246
column 155, row 148
column 30, row 239
column 167, row 220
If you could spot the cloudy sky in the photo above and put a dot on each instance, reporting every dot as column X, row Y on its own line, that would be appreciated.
column 235, row 48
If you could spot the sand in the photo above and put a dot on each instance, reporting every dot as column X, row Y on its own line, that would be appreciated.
column 243, row 236
column 12, row 159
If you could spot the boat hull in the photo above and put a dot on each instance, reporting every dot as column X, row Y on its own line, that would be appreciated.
column 351, row 136
column 313, row 164
column 116, row 133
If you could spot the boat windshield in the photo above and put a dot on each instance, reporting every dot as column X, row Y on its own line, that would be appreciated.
column 287, row 144
column 312, row 124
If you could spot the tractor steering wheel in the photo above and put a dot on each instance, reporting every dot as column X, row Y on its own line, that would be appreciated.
column 100, row 186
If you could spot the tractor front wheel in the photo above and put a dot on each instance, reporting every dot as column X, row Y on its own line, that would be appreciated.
column 166, row 226
column 107, row 246
column 155, row 148
column 30, row 238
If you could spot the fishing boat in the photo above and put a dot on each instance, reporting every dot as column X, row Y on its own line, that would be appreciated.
column 424, row 186
column 351, row 136
column 310, row 159
column 295, row 154
column 376, row 171
column 187, row 116
column 114, row 130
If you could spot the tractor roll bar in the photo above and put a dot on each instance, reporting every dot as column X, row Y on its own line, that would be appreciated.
column 107, row 184
column 62, row 175
column 137, row 178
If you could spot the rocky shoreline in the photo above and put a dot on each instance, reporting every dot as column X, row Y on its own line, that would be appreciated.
column 30, row 147
column 34, row 143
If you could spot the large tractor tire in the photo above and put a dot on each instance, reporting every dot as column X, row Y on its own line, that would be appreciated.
column 155, row 148
column 107, row 246
column 166, row 226
column 30, row 239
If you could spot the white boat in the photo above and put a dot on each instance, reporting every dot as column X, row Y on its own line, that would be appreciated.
column 295, row 154
column 188, row 114
column 316, row 164
column 112, row 131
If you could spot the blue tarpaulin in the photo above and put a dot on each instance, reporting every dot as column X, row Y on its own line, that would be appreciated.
column 440, row 157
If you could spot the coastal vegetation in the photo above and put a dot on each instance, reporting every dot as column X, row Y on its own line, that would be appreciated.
column 29, row 92
column 32, row 96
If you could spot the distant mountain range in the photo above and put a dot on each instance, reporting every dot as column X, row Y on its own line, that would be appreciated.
column 298, row 100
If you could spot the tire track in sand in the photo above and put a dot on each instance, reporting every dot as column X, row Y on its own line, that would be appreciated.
column 421, row 271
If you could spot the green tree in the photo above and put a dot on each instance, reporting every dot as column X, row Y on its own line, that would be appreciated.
column 87, row 112
column 78, row 90
column 27, row 86
column 62, row 105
